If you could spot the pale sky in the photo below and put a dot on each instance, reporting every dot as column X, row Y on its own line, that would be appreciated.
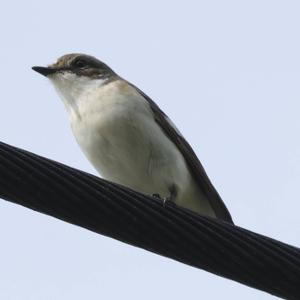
column 227, row 74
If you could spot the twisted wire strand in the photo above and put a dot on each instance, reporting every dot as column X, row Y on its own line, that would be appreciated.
column 121, row 213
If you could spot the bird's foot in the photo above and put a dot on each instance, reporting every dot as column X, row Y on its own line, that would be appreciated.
column 166, row 201
column 156, row 196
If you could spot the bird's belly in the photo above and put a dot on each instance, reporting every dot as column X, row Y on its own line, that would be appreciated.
column 131, row 149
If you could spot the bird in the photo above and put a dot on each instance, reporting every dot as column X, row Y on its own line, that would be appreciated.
column 128, row 138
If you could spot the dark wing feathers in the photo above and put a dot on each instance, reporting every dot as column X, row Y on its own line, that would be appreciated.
column 193, row 162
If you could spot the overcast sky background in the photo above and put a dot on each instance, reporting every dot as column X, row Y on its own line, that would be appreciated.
column 226, row 72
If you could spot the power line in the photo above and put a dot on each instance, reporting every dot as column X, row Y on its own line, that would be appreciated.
column 118, row 212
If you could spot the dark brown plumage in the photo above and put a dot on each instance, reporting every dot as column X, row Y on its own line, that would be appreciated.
column 191, row 159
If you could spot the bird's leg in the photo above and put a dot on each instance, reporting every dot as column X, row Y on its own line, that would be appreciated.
column 171, row 198
column 168, row 200
column 165, row 200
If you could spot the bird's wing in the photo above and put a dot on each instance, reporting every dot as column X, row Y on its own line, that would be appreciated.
column 193, row 162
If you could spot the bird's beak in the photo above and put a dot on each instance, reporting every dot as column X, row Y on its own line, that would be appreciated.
column 44, row 70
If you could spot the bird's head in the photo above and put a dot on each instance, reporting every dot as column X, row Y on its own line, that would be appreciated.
column 75, row 74
column 76, row 64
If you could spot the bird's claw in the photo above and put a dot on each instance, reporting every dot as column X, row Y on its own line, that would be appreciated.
column 156, row 196
column 165, row 200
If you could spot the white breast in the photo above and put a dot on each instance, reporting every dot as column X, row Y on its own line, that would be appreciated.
column 115, row 127
column 119, row 135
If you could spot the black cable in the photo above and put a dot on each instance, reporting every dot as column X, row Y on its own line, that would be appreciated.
column 118, row 212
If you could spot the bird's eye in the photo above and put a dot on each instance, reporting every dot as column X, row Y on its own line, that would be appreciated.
column 80, row 63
